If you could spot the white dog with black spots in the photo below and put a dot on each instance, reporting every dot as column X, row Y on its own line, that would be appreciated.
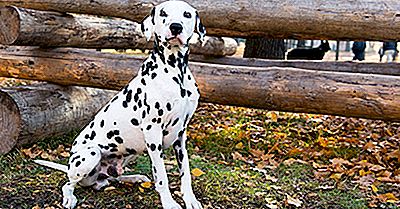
column 150, row 113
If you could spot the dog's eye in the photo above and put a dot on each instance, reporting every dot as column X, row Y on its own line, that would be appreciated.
column 163, row 14
column 187, row 15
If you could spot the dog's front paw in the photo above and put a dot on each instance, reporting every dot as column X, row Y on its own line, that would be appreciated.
column 69, row 202
column 169, row 203
column 191, row 202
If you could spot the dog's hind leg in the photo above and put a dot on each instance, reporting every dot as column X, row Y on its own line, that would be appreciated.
column 184, row 169
column 82, row 170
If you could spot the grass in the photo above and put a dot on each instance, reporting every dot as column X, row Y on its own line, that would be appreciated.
column 251, row 159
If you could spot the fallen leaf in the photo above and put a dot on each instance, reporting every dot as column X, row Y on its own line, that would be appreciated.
column 239, row 145
column 197, row 172
column 146, row 185
column 110, row 188
column 374, row 188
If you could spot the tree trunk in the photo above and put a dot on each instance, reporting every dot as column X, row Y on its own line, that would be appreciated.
column 296, row 19
column 264, row 48
column 25, row 27
column 30, row 113
column 274, row 88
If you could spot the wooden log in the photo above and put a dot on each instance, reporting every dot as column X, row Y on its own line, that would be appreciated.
column 299, row 19
column 274, row 88
column 334, row 66
column 26, row 27
column 30, row 113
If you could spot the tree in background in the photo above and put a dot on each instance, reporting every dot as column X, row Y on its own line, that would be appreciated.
column 264, row 48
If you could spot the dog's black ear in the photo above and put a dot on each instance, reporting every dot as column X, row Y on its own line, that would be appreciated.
column 200, row 29
column 148, row 24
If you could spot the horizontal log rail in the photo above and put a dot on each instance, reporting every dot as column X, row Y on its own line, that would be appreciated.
column 299, row 19
column 273, row 88
column 26, row 27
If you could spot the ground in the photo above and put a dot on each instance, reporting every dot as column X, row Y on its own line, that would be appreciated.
column 241, row 158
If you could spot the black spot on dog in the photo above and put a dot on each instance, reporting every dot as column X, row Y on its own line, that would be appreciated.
column 93, row 153
column 188, row 93
column 77, row 163
column 153, row 147
column 75, row 142
column 86, row 136
column 160, row 183
column 114, row 150
column 175, row 122
column 189, row 78
column 159, row 147
column 112, row 156
column 148, row 127
column 183, row 93
column 159, row 120
column 154, row 120
column 165, row 132
column 119, row 140
column 143, row 82
column 180, row 155
column 144, row 114
column 84, row 142
column 124, row 104
column 131, row 151
column 75, row 158
column 83, row 159
column 165, row 70
column 115, row 123
column 177, row 144
column 112, row 171
column 102, row 123
column 172, row 60
column 160, row 112
column 154, row 169
column 157, row 105
column 92, row 135
column 115, row 98
column 112, row 145
column 180, row 134
column 135, row 122
column 153, row 75
column 91, row 124
column 134, row 108
column 169, row 108
column 92, row 172
column 105, row 109
column 102, row 177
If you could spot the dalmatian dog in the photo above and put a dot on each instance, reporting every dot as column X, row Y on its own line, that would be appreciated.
column 150, row 114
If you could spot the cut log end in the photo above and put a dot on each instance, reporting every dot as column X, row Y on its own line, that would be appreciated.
column 10, row 123
column 10, row 25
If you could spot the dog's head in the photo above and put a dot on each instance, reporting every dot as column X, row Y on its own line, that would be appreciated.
column 173, row 23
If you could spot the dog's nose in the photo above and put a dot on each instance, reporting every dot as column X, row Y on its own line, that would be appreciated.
column 176, row 28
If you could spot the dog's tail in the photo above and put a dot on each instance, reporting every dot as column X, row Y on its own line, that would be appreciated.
column 49, row 164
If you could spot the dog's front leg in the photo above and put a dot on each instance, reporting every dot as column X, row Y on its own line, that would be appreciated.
column 186, row 181
column 153, row 137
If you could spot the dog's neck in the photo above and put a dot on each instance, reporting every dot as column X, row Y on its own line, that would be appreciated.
column 176, row 57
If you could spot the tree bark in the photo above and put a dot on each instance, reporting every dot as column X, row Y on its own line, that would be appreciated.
column 264, row 48
column 274, row 88
column 26, row 27
column 295, row 19
column 30, row 113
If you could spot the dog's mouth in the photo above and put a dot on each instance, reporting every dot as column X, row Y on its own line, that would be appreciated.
column 174, row 41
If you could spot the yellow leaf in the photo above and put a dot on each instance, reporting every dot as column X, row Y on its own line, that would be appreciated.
column 197, row 172
column 274, row 116
column 336, row 176
column 374, row 188
column 36, row 207
column 141, row 189
column 391, row 198
column 239, row 145
column 146, row 185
